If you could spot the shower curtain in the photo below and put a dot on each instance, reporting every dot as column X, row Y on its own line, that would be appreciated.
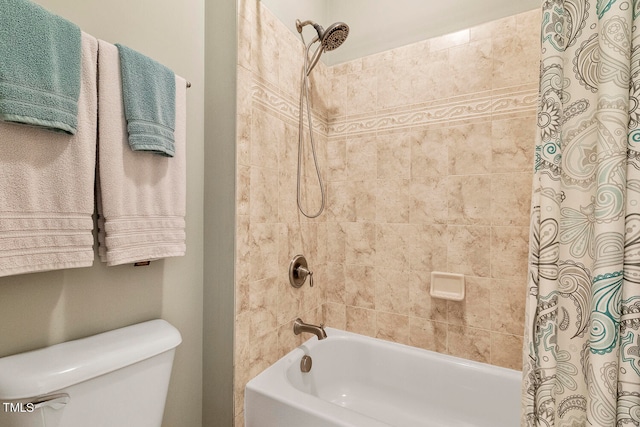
column 581, row 364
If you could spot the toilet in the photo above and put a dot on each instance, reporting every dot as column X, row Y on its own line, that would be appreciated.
column 115, row 379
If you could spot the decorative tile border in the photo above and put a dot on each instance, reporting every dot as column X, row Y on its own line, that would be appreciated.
column 483, row 105
column 436, row 113
column 283, row 106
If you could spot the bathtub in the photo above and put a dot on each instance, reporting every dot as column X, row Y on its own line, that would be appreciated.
column 366, row 382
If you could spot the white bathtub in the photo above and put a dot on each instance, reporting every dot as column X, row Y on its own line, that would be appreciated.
column 365, row 382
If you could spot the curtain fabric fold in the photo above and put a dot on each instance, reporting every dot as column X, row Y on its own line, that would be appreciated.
column 582, row 342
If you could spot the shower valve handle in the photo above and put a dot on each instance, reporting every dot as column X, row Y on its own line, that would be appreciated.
column 304, row 272
column 299, row 271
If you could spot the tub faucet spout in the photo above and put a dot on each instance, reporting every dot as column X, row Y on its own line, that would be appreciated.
column 299, row 326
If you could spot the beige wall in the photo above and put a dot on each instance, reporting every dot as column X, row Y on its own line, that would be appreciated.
column 269, row 229
column 427, row 154
column 46, row 308
column 430, row 167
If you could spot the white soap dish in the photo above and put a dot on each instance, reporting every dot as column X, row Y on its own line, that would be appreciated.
column 447, row 286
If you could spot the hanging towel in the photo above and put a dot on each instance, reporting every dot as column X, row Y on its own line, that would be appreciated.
column 141, row 198
column 39, row 67
column 149, row 94
column 47, row 187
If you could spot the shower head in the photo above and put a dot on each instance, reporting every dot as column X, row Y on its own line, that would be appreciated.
column 332, row 37
column 329, row 39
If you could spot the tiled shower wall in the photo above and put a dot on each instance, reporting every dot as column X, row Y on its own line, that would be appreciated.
column 430, row 155
column 427, row 154
column 269, row 229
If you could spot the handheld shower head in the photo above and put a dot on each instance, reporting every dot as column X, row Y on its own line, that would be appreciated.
column 329, row 39
column 334, row 36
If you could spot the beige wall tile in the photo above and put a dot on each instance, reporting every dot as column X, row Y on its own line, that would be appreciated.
column 511, row 66
column 362, row 158
column 360, row 243
column 376, row 60
column 392, row 327
column 428, row 335
column 263, row 304
column 471, row 79
column 469, row 199
column 239, row 418
column 468, row 250
column 421, row 304
column 336, row 291
column 392, row 242
column 362, row 93
column 265, row 53
column 429, row 200
column 335, row 315
column 392, row 291
column 394, row 156
column 341, row 201
column 360, row 286
column 506, row 350
column 364, row 195
column 428, row 77
column 288, row 304
column 243, row 117
column 427, row 248
column 429, row 154
column 512, row 144
column 263, row 251
column 509, row 251
column 287, row 149
column 263, row 194
column 266, row 131
column 511, row 198
column 242, row 349
column 472, row 311
column 287, row 205
column 469, row 343
column 290, row 65
column 469, row 148
column 393, row 201
column 336, row 160
column 361, row 321
column 336, row 242
column 508, row 305
column 263, row 353
column 337, row 103
column 243, row 187
column 394, row 85
column 351, row 201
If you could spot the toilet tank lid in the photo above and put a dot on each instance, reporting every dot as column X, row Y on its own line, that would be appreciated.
column 53, row 368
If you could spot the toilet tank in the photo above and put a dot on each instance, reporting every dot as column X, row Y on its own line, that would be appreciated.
column 115, row 379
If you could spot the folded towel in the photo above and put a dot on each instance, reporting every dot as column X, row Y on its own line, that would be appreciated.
column 141, row 198
column 149, row 94
column 47, row 187
column 40, row 67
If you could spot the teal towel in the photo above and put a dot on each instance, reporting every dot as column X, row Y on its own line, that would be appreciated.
column 39, row 67
column 149, row 96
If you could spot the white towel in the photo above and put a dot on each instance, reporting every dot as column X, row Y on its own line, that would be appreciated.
column 141, row 197
column 47, row 187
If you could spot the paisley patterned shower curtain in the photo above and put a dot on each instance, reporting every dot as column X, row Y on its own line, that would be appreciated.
column 582, row 338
